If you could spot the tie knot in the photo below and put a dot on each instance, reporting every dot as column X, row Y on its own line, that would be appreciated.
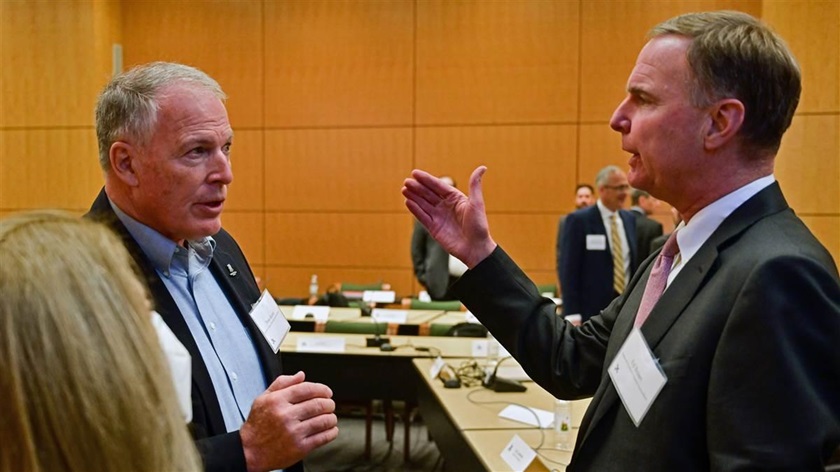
column 671, row 247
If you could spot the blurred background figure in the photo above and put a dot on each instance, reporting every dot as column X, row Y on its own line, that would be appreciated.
column 584, row 197
column 84, row 384
column 647, row 229
column 434, row 268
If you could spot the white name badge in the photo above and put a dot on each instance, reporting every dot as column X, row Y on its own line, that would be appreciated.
column 379, row 296
column 270, row 320
column 637, row 376
column 518, row 455
column 384, row 315
column 313, row 344
column 596, row 242
column 318, row 313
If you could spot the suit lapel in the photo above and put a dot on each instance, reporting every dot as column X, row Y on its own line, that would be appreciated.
column 677, row 297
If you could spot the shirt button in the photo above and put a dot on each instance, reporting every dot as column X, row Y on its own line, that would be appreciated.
column 212, row 326
column 233, row 376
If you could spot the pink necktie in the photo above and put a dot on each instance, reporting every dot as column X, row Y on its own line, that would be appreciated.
column 658, row 278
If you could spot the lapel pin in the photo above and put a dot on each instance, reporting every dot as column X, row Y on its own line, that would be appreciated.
column 231, row 271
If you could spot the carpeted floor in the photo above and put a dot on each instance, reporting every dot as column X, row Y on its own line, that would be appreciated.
column 345, row 454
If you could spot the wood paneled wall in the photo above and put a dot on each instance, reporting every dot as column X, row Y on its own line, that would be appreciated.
column 334, row 102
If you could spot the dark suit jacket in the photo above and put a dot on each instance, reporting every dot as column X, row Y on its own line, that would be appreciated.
column 431, row 263
column 746, row 335
column 647, row 230
column 220, row 450
column 586, row 276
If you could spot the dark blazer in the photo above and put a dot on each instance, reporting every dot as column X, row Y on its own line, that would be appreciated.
column 431, row 263
column 586, row 276
column 647, row 230
column 746, row 335
column 220, row 450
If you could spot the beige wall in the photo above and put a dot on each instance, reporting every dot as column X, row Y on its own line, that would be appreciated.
column 333, row 103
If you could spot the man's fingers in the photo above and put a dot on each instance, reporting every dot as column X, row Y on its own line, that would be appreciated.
column 476, row 193
column 305, row 391
column 285, row 381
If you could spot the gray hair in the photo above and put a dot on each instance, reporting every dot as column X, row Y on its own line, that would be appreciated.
column 735, row 55
column 128, row 105
column 604, row 175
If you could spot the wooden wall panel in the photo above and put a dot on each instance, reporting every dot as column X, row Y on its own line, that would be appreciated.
column 361, row 240
column 334, row 63
column 49, row 168
column 358, row 170
column 529, row 239
column 613, row 33
column 528, row 166
column 294, row 281
column 808, row 164
column 827, row 230
column 812, row 30
column 248, row 230
column 246, row 192
column 220, row 37
column 600, row 146
column 496, row 62
column 52, row 69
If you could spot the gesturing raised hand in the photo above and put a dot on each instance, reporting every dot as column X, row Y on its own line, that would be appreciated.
column 457, row 221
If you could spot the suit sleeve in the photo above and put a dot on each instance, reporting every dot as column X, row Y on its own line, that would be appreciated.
column 222, row 453
column 418, row 252
column 559, row 248
column 774, row 392
column 565, row 360
column 573, row 245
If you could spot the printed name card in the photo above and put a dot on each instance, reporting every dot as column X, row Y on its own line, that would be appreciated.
column 518, row 455
column 379, row 296
column 479, row 349
column 529, row 416
column 437, row 366
column 270, row 320
column 318, row 313
column 386, row 315
column 470, row 318
column 313, row 344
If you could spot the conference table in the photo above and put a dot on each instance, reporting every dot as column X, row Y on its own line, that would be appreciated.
column 466, row 426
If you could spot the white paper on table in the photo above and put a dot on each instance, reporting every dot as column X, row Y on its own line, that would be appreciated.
column 529, row 416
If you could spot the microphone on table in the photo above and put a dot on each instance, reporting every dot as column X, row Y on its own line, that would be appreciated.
column 500, row 384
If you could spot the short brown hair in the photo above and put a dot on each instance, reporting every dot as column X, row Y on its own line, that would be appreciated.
column 733, row 55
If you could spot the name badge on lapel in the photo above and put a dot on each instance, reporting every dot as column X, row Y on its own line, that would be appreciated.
column 270, row 320
column 637, row 376
column 596, row 242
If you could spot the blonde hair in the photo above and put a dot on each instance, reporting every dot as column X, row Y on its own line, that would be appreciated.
column 84, row 384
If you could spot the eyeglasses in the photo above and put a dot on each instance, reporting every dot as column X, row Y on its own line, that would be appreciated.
column 620, row 188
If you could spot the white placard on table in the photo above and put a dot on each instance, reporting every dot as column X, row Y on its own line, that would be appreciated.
column 470, row 318
column 387, row 315
column 479, row 349
column 529, row 416
column 318, row 313
column 379, row 296
column 316, row 344
column 517, row 454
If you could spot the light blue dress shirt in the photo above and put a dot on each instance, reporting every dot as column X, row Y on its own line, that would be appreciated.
column 224, row 343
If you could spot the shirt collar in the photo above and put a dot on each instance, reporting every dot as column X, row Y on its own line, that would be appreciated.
column 693, row 234
column 605, row 212
column 158, row 248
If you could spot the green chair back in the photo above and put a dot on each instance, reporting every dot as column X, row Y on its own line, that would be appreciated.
column 445, row 305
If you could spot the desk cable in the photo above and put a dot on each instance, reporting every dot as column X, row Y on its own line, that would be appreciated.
column 539, row 447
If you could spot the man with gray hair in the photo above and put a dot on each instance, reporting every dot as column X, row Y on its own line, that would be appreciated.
column 598, row 248
column 721, row 352
column 164, row 145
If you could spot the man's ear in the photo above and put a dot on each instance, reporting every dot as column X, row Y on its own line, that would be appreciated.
column 726, row 118
column 122, row 156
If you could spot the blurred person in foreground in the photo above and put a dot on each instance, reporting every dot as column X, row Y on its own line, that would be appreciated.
column 164, row 146
column 84, row 384
column 738, row 358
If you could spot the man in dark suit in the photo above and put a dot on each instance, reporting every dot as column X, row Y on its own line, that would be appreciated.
column 433, row 266
column 598, row 248
column 647, row 229
column 584, row 197
column 744, row 336
column 164, row 144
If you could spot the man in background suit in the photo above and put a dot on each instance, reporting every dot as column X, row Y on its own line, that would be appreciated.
column 745, row 333
column 647, row 229
column 434, row 268
column 598, row 244
column 584, row 197
column 164, row 145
